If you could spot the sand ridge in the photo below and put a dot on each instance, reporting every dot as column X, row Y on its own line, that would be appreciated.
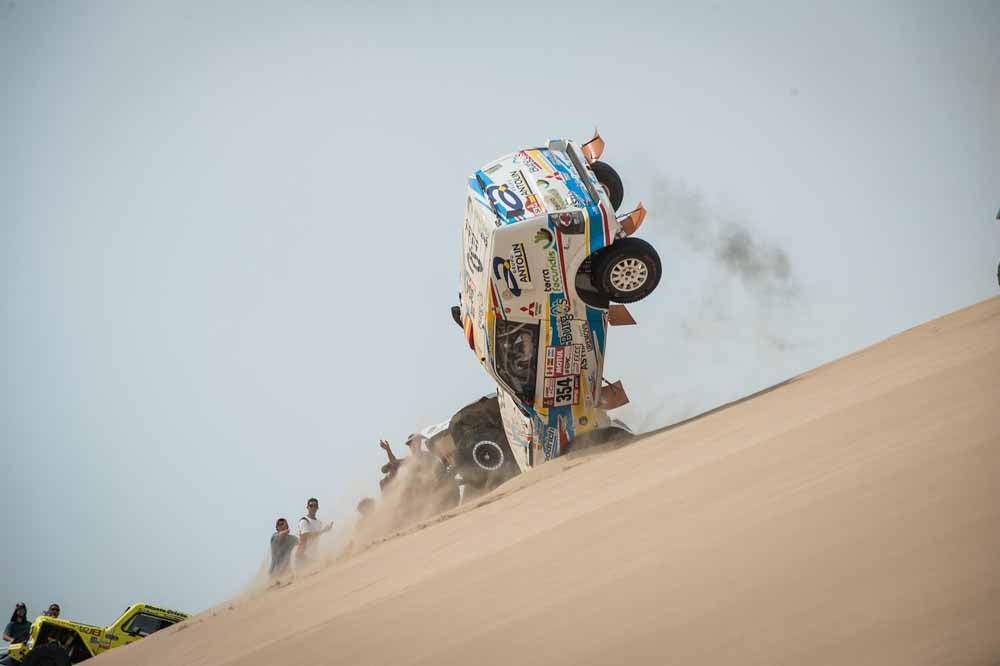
column 848, row 516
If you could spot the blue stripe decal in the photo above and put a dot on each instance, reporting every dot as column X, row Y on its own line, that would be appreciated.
column 577, row 187
column 596, row 323
column 476, row 187
column 597, row 239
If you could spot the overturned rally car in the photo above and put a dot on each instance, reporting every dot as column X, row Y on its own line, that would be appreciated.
column 546, row 264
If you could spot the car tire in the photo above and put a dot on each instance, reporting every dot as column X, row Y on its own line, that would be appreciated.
column 628, row 270
column 611, row 181
column 485, row 459
column 49, row 654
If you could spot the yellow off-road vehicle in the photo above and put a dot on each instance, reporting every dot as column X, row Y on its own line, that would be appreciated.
column 58, row 642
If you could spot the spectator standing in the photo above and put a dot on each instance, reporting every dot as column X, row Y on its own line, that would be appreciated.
column 282, row 545
column 18, row 629
column 310, row 530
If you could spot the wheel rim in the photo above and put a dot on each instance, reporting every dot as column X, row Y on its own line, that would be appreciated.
column 629, row 274
column 487, row 455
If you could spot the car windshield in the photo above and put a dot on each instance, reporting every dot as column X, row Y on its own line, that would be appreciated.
column 144, row 625
column 517, row 357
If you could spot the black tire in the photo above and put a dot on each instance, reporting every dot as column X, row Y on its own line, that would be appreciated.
column 488, row 454
column 611, row 181
column 480, row 444
column 585, row 288
column 485, row 459
column 49, row 654
column 628, row 270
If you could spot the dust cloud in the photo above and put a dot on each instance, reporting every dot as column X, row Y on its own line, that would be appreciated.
column 731, row 238
column 728, row 314
column 417, row 494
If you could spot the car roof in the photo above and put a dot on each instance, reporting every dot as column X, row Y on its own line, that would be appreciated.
column 531, row 183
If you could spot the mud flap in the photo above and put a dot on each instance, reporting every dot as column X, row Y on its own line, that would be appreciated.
column 613, row 395
column 592, row 149
column 633, row 220
column 618, row 315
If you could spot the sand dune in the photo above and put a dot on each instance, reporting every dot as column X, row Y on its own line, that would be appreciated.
column 850, row 516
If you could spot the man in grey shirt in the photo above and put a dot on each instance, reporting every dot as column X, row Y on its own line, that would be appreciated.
column 282, row 545
column 18, row 629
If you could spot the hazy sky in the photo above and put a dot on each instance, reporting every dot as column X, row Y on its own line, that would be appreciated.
column 229, row 238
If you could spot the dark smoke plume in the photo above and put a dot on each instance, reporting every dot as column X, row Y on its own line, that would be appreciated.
column 755, row 263
column 730, row 238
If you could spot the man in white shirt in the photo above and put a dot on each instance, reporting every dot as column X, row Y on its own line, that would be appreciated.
column 310, row 529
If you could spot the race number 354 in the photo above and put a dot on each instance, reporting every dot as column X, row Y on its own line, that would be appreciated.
column 562, row 391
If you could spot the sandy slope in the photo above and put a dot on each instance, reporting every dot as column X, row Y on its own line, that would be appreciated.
column 851, row 516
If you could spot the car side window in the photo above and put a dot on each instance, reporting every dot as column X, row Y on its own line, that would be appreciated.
column 144, row 625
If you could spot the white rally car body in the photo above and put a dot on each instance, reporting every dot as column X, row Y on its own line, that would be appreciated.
column 532, row 220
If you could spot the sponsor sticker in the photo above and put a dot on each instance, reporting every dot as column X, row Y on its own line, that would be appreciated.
column 575, row 201
column 528, row 161
column 532, row 309
column 582, row 331
column 531, row 202
column 563, row 360
column 503, row 195
column 550, row 195
column 501, row 271
column 543, row 237
column 564, row 324
column 561, row 391
column 474, row 263
column 550, row 445
column 551, row 278
column 474, row 247
column 519, row 265
column 478, row 223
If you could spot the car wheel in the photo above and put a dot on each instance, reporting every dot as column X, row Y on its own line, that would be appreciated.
column 49, row 654
column 611, row 181
column 488, row 455
column 628, row 270
column 484, row 460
